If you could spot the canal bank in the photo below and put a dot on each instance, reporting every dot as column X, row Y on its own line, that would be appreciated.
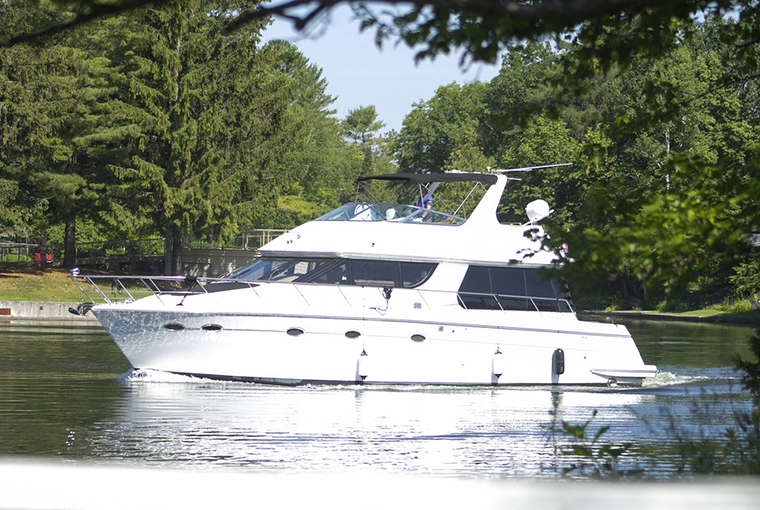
column 41, row 311
column 725, row 318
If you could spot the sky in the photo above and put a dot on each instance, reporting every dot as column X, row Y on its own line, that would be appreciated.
column 360, row 74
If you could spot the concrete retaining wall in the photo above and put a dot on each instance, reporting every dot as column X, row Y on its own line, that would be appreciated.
column 39, row 310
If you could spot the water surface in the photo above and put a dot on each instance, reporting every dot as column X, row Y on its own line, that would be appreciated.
column 67, row 392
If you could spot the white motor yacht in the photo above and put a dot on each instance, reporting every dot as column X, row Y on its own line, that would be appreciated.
column 375, row 293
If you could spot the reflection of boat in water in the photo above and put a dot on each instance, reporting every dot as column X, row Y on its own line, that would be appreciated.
column 377, row 293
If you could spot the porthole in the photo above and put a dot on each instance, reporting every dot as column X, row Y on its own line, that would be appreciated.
column 211, row 327
column 418, row 338
column 295, row 332
column 173, row 326
column 353, row 334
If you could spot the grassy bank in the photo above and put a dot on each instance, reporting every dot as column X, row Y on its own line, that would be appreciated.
column 37, row 283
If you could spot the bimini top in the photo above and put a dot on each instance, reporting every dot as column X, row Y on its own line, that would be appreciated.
column 428, row 178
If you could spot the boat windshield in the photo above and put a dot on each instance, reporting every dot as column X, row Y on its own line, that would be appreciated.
column 337, row 271
column 368, row 211
column 285, row 270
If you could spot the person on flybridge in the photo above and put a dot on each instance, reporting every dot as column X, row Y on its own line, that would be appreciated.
column 425, row 201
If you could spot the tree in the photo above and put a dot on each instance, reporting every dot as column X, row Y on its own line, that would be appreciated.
column 52, row 97
column 360, row 127
column 544, row 141
column 208, row 122
column 675, row 202
column 158, row 115
column 318, row 160
column 610, row 31
column 437, row 128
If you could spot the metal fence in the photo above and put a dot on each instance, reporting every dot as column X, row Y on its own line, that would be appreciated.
column 247, row 240
column 140, row 247
column 11, row 253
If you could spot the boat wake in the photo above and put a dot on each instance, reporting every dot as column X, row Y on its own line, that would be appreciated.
column 665, row 379
column 138, row 375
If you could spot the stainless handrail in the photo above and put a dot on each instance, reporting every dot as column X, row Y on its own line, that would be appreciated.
column 95, row 289
column 532, row 299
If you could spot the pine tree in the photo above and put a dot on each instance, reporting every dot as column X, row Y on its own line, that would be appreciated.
column 209, row 121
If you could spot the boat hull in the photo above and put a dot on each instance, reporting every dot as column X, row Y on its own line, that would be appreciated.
column 293, row 348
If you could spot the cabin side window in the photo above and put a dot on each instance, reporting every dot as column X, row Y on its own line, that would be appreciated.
column 376, row 273
column 511, row 288
column 476, row 292
column 389, row 273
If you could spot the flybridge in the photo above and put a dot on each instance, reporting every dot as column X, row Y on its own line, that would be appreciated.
column 429, row 183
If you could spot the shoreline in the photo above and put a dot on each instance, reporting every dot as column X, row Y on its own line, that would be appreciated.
column 725, row 319
column 42, row 311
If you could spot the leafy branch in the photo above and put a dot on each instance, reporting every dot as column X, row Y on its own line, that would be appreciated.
column 593, row 457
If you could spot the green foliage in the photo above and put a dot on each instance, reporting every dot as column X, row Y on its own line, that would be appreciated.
column 659, row 198
column 361, row 125
column 360, row 128
column 663, row 241
column 54, row 96
column 436, row 131
column 589, row 455
column 209, row 119
column 751, row 369
column 11, row 215
column 159, row 121
column 746, row 278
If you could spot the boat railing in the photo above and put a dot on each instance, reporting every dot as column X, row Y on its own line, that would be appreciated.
column 110, row 289
column 486, row 301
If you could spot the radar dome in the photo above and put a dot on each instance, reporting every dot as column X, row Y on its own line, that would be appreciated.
column 537, row 210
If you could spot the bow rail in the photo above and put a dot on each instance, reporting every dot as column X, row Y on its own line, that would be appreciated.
column 110, row 289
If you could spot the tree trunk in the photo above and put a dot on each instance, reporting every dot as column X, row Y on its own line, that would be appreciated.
column 168, row 245
column 173, row 242
column 177, row 247
column 70, row 243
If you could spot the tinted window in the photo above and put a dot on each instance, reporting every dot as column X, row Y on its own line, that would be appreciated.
column 477, row 280
column 415, row 273
column 386, row 273
column 336, row 273
column 263, row 269
column 508, row 283
column 381, row 273
column 511, row 288
column 475, row 291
